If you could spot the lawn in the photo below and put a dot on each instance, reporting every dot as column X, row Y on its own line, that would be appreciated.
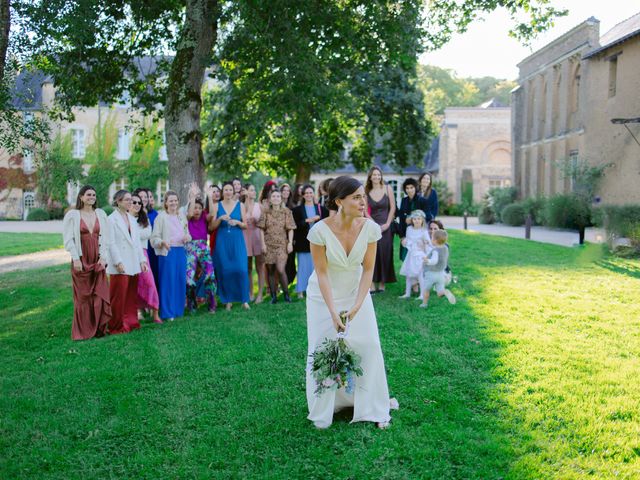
column 532, row 375
column 20, row 243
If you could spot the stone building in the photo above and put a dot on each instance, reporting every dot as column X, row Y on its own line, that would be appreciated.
column 475, row 149
column 568, row 93
column 34, row 93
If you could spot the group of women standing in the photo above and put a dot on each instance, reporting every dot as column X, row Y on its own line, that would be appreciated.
column 163, row 262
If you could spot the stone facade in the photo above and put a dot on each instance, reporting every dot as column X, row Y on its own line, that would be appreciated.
column 475, row 149
column 562, row 110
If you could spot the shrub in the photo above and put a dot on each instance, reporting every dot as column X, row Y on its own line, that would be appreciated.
column 445, row 197
column 38, row 215
column 536, row 208
column 498, row 198
column 56, row 213
column 513, row 214
column 108, row 209
column 458, row 209
column 568, row 211
column 618, row 219
column 486, row 215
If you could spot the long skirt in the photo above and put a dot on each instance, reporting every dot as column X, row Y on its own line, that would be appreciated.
column 147, row 291
column 172, row 270
column 124, row 303
column 198, row 254
column 305, row 269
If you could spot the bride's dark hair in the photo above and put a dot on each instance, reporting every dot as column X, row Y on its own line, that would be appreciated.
column 341, row 188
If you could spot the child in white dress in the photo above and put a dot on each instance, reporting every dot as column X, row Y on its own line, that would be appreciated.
column 418, row 244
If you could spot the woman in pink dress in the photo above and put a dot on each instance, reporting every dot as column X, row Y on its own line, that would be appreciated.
column 147, row 291
column 254, row 239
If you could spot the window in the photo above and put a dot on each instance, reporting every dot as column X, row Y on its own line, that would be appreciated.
column 77, row 142
column 162, row 188
column 163, row 148
column 613, row 76
column 573, row 159
column 27, row 160
column 29, row 200
column 123, row 144
column 499, row 183
column 394, row 187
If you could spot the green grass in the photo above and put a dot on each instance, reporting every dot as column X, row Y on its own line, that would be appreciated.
column 21, row 243
column 532, row 375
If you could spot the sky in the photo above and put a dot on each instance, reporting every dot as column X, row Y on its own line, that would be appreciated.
column 487, row 50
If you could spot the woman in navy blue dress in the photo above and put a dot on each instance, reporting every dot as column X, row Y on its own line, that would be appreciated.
column 230, row 254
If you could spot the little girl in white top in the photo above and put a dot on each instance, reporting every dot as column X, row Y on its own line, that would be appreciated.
column 418, row 244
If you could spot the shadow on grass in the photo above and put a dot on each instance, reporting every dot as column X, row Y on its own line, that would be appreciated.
column 627, row 267
column 224, row 396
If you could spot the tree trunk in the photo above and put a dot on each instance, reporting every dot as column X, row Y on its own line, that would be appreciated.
column 303, row 173
column 184, row 96
column 5, row 24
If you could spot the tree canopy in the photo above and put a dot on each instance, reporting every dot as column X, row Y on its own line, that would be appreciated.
column 297, row 80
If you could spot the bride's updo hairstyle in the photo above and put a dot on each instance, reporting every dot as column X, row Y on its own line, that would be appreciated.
column 341, row 188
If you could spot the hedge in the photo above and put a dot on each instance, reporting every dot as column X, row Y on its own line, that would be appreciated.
column 513, row 215
column 38, row 215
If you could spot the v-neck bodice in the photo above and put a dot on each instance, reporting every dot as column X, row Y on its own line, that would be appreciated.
column 337, row 258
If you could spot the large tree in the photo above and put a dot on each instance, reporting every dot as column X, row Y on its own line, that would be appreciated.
column 93, row 51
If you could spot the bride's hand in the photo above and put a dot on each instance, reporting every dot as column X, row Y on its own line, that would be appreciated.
column 353, row 312
column 337, row 322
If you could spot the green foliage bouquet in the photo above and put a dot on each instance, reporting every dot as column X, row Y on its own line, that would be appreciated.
column 335, row 364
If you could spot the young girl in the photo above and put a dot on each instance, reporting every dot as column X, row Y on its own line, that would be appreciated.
column 434, row 269
column 417, row 242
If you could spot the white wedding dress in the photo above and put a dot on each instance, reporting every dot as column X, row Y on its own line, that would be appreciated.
column 370, row 400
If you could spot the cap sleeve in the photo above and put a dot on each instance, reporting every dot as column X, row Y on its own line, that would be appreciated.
column 316, row 236
column 374, row 232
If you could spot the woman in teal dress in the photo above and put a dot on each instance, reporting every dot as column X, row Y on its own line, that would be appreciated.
column 230, row 254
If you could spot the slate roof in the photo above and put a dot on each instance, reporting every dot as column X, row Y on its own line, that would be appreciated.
column 618, row 34
column 493, row 103
column 27, row 92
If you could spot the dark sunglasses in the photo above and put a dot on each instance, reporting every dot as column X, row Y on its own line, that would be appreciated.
column 136, row 202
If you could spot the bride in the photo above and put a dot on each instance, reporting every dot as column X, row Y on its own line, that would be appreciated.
column 343, row 248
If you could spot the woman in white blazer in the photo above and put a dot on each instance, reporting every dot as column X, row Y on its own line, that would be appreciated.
column 127, row 261
column 170, row 233
column 87, row 238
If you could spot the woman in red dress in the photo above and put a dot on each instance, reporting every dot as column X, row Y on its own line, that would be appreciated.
column 87, row 238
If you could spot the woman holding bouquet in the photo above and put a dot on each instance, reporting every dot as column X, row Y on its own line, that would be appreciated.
column 343, row 248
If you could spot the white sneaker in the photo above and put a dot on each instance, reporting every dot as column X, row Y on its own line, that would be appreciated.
column 450, row 297
column 405, row 296
column 424, row 305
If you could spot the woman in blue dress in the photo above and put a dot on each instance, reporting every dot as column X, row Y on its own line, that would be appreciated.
column 230, row 254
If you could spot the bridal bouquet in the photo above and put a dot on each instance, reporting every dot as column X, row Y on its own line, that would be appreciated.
column 335, row 364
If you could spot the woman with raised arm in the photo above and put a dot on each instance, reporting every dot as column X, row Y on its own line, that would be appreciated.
column 230, row 255
column 343, row 248
column 198, row 254
column 86, row 233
